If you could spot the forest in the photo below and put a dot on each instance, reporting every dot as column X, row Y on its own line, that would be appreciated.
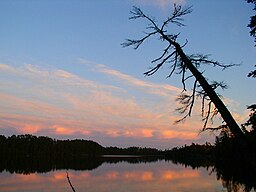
column 42, row 146
column 28, row 154
column 225, row 158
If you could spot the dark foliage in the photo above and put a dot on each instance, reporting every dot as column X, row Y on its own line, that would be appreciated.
column 251, row 122
column 131, row 151
column 194, row 155
column 223, row 158
column 252, row 73
column 28, row 154
column 232, row 165
column 252, row 24
column 32, row 146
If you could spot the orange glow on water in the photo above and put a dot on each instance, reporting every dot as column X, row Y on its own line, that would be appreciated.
column 172, row 175
column 113, row 175
column 59, row 176
column 147, row 176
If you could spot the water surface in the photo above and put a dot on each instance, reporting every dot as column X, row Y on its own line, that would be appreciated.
column 121, row 176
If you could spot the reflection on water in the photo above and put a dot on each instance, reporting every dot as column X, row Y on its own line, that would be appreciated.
column 125, row 175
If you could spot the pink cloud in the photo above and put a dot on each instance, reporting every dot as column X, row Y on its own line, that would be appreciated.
column 147, row 133
column 161, row 89
column 169, row 134
column 57, row 102
column 63, row 130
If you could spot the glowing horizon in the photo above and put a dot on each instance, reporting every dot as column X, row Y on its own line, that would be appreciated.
column 65, row 75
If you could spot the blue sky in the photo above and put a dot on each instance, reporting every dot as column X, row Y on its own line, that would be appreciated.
column 65, row 74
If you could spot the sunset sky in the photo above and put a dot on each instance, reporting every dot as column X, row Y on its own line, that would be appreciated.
column 64, row 73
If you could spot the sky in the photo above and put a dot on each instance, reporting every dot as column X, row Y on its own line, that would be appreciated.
column 64, row 73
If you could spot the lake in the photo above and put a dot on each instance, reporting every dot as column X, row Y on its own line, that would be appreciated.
column 117, row 176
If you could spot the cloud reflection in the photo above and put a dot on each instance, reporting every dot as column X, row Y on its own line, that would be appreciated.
column 113, row 177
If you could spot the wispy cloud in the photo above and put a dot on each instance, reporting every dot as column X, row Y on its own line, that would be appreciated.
column 149, row 87
column 58, row 103
column 163, row 4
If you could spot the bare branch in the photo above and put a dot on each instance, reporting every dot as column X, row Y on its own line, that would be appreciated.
column 214, row 113
column 221, row 127
column 174, row 65
column 137, row 13
column 199, row 59
column 184, row 44
column 220, row 84
column 206, row 118
column 183, row 77
column 187, row 102
column 185, row 65
column 164, row 53
column 155, row 69
column 202, row 107
column 137, row 43
column 181, row 120
column 252, row 73
column 188, row 77
column 184, row 100
column 193, row 98
column 176, row 16
column 73, row 189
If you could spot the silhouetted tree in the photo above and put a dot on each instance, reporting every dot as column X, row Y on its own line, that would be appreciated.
column 188, row 67
column 252, row 23
column 251, row 122
column 252, row 26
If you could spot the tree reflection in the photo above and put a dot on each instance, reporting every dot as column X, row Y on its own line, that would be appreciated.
column 29, row 154
column 233, row 177
column 236, row 178
column 28, row 165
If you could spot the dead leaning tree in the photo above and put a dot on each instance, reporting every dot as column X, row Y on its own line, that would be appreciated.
column 188, row 67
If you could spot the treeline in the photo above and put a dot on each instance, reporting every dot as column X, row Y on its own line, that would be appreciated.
column 28, row 154
column 29, row 145
column 226, row 149
column 132, row 151
column 226, row 157
column 33, row 146
column 194, row 155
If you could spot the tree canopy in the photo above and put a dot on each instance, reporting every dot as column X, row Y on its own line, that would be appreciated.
column 252, row 23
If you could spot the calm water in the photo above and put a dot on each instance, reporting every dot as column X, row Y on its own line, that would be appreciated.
column 122, row 176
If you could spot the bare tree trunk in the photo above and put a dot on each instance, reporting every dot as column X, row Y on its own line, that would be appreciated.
column 227, row 117
column 180, row 60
